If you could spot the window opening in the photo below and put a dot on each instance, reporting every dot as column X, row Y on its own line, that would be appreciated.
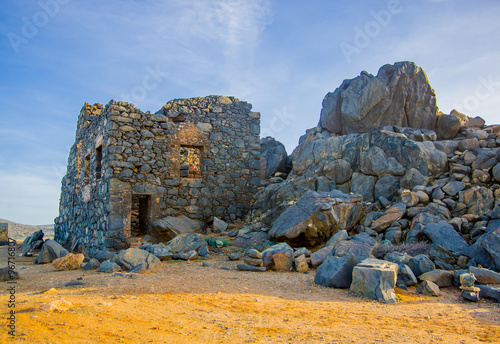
column 98, row 162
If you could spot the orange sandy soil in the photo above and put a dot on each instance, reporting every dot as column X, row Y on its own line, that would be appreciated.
column 184, row 302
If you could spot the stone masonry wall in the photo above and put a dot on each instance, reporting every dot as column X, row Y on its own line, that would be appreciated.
column 198, row 157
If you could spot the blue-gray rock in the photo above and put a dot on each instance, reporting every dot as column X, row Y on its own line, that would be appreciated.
column 233, row 256
column 470, row 295
column 219, row 225
column 51, row 250
column 203, row 251
column 131, row 257
column 489, row 291
column 158, row 250
column 375, row 279
column 316, row 216
column 437, row 252
column 6, row 274
column 485, row 276
column 453, row 188
column 428, row 288
column 251, row 240
column 496, row 172
column 273, row 157
column 456, row 277
column 443, row 234
column 386, row 186
column 190, row 255
column 301, row 251
column 442, row 278
column 283, row 248
column 421, row 264
column 108, row 266
column 363, row 185
column 477, row 253
column 29, row 243
column 412, row 178
column 246, row 267
column 92, row 264
column 360, row 245
column 318, row 257
column 397, row 257
column 491, row 244
column 337, row 237
column 405, row 278
column 101, row 256
column 185, row 243
column 170, row 227
column 336, row 272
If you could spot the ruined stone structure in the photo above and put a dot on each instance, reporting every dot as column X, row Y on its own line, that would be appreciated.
column 198, row 157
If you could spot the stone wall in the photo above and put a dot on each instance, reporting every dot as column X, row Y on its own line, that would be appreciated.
column 197, row 157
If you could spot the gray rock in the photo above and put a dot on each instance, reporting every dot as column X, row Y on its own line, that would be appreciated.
column 447, row 127
column 219, row 225
column 318, row 257
column 246, row 267
column 386, row 186
column 108, row 266
column 453, row 188
column 470, row 295
column 92, row 264
column 489, row 291
column 428, row 288
column 338, row 171
column 337, row 237
column 477, row 253
column 190, row 255
column 251, row 240
column 233, row 256
column 50, row 251
column 301, row 251
column 490, row 242
column 131, row 257
column 283, row 248
column 397, row 257
column 496, row 172
column 253, row 261
column 366, row 102
column 29, row 243
column 6, row 274
column 363, row 185
column 169, row 227
column 252, row 253
column 405, row 278
column 74, row 284
column 375, row 279
column 316, row 216
column 202, row 252
column 336, row 272
column 360, row 245
column 485, row 276
column 273, row 157
column 412, row 178
column 443, row 234
column 421, row 264
column 441, row 277
column 185, row 243
column 101, row 256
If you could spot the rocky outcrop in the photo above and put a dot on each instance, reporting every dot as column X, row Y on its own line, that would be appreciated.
column 273, row 157
column 399, row 95
column 317, row 216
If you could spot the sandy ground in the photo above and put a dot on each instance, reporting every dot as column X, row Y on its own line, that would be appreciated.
column 185, row 302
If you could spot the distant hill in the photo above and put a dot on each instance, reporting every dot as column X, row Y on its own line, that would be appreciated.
column 19, row 231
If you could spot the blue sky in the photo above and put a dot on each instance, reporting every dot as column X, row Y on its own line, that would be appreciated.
column 281, row 56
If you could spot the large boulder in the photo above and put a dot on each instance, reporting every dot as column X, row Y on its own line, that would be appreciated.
column 277, row 254
column 316, row 217
column 485, row 276
column 273, row 157
column 186, row 242
column 490, row 242
column 375, row 279
column 129, row 258
column 360, row 245
column 399, row 95
column 169, row 227
column 68, row 262
column 443, row 234
column 336, row 272
column 250, row 240
column 447, row 126
column 32, row 241
column 51, row 250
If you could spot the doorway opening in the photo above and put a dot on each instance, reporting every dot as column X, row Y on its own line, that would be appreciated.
column 140, row 216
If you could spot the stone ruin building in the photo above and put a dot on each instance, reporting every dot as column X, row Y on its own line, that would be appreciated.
column 198, row 157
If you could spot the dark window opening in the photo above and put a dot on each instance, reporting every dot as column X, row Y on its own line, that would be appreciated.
column 86, row 175
column 140, row 215
column 98, row 162
column 190, row 161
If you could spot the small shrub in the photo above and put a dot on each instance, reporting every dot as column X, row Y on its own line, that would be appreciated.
column 211, row 242
column 410, row 249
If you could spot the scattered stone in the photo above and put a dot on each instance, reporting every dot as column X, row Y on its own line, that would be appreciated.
column 69, row 262
column 6, row 274
column 428, row 288
column 189, row 255
column 101, row 256
column 470, row 295
column 361, row 245
column 443, row 234
column 74, row 284
column 252, row 253
column 320, row 255
column 92, row 264
column 421, row 264
column 32, row 241
column 56, row 305
column 336, row 272
column 131, row 257
column 301, row 264
column 170, row 227
column 489, row 291
column 405, row 278
column 301, row 251
column 245, row 267
column 441, row 277
column 219, row 225
column 485, row 276
column 233, row 256
column 51, row 251
column 251, row 240
column 282, row 262
column 109, row 267
column 207, row 265
column 279, row 248
column 375, row 279
column 186, row 242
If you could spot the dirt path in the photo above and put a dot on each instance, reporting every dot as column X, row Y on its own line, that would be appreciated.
column 189, row 303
